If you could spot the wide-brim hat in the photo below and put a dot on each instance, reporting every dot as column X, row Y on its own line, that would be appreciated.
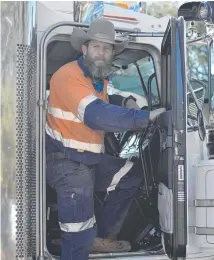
column 100, row 30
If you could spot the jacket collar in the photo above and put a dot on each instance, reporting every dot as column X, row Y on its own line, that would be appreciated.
column 81, row 64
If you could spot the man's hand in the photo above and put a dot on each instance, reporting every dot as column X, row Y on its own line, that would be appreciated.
column 156, row 113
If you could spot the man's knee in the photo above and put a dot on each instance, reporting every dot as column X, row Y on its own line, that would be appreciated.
column 133, row 177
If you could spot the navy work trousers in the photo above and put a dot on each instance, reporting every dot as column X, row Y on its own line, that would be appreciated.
column 114, row 182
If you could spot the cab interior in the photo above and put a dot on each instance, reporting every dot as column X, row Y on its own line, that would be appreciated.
column 133, row 72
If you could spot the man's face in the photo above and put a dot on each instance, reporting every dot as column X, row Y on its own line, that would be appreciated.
column 98, row 58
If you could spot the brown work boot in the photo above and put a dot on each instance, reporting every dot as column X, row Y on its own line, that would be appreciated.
column 107, row 245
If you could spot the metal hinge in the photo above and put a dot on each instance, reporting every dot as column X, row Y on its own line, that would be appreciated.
column 41, row 103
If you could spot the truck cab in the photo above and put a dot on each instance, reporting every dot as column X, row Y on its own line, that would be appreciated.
column 171, row 216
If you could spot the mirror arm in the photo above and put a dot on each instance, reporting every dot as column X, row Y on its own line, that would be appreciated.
column 195, row 99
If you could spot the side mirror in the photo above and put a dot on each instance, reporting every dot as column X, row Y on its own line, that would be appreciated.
column 197, row 11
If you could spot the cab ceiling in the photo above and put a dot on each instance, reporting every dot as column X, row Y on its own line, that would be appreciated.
column 61, row 52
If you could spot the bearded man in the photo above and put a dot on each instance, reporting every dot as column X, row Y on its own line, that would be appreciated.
column 79, row 113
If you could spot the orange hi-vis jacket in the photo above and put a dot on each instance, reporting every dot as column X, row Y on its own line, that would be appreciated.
column 70, row 93
column 78, row 115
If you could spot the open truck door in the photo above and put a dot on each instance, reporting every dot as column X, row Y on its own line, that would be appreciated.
column 172, row 193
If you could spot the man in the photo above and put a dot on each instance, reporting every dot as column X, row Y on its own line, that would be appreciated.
column 78, row 115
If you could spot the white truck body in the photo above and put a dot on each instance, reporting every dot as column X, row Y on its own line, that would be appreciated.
column 24, row 25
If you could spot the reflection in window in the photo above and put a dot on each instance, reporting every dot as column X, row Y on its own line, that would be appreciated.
column 212, row 61
column 131, row 147
column 198, row 58
column 212, row 69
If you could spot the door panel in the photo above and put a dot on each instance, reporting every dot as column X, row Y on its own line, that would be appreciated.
column 173, row 171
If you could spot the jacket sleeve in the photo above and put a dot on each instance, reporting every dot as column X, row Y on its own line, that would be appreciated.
column 102, row 116
column 80, row 100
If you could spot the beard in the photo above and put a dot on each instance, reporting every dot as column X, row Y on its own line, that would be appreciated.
column 97, row 67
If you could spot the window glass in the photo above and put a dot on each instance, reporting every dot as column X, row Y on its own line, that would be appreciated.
column 212, row 69
column 126, row 81
column 198, row 58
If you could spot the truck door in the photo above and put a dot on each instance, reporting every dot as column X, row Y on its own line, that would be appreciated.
column 172, row 197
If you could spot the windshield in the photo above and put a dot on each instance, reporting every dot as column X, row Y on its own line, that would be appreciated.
column 128, row 79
